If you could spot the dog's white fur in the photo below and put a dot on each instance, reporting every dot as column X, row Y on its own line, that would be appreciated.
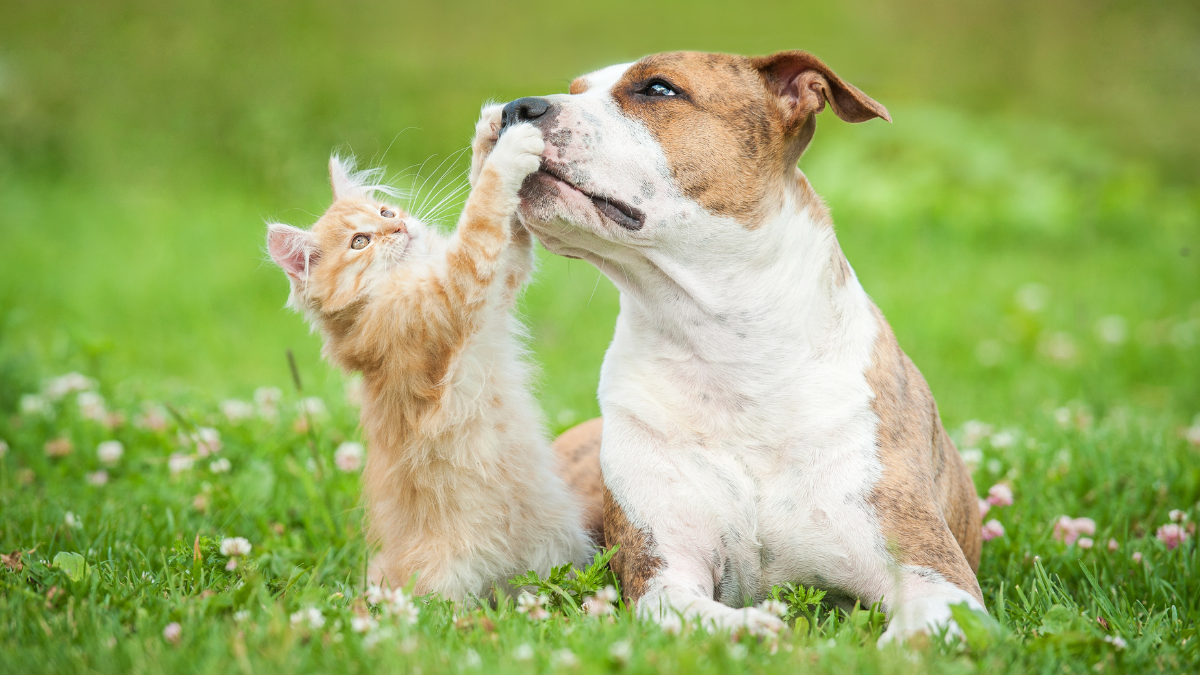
column 737, row 418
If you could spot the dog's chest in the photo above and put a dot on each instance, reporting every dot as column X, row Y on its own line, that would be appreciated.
column 796, row 513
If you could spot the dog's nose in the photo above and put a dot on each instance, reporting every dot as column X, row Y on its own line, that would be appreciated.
column 523, row 110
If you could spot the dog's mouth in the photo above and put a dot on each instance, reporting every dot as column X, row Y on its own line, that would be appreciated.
column 615, row 210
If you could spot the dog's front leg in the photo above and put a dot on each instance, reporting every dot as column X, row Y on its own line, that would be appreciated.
column 668, row 523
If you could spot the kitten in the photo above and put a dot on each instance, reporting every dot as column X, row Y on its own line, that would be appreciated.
column 460, row 482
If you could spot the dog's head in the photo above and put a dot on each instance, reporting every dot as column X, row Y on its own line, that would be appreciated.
column 639, row 153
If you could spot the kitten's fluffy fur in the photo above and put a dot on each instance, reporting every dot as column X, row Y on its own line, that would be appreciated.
column 460, row 482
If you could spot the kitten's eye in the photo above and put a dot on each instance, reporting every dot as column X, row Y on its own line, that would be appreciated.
column 658, row 89
column 360, row 241
column 386, row 213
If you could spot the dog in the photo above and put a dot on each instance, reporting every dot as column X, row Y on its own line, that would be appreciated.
column 761, row 424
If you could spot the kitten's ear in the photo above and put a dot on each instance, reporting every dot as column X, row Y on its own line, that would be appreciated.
column 293, row 249
column 341, row 172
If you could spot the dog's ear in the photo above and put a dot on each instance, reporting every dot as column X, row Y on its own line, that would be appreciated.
column 801, row 84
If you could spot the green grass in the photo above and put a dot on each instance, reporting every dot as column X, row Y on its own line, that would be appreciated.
column 1030, row 224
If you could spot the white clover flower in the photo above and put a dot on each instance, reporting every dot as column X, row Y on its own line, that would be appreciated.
column 1063, row 416
column 471, row 659
column 1192, row 433
column 97, row 478
column 313, row 406
column 3, row 447
column 72, row 521
column 523, row 652
column 564, row 658
column 1177, row 516
column 310, row 615
column 1112, row 329
column 153, row 418
column 109, row 452
column 1059, row 346
column 91, row 406
column 1003, row 439
column 172, row 632
column 374, row 594
column 406, row 614
column 241, row 615
column 1033, row 297
column 607, row 594
column 533, row 606
column 207, row 440
column 236, row 411
column 974, row 431
column 972, row 457
column 349, row 456
column 178, row 463
column 220, row 465
column 32, row 404
column 363, row 624
column 1115, row 640
column 594, row 607
column 621, row 651
column 232, row 546
column 267, row 399
column 773, row 607
column 66, row 384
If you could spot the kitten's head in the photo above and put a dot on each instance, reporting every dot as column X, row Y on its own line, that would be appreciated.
column 358, row 241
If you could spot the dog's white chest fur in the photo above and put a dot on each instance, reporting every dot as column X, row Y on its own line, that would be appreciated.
column 764, row 421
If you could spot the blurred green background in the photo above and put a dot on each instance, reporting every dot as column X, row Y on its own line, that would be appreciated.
column 1029, row 223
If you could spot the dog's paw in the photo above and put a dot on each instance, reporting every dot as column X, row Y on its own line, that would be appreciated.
column 752, row 620
column 517, row 154
column 904, row 630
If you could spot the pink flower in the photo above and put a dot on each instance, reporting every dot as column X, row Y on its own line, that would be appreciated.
column 992, row 529
column 984, row 507
column 1086, row 542
column 1113, row 545
column 1137, row 557
column 172, row 632
column 1068, row 529
column 1172, row 535
column 1000, row 495
column 349, row 456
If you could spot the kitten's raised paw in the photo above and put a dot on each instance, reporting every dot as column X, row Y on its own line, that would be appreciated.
column 518, row 153
column 487, row 132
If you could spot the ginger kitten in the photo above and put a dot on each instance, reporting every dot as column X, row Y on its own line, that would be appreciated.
column 460, row 481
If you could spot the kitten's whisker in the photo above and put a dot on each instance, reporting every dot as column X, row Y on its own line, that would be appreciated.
column 438, row 175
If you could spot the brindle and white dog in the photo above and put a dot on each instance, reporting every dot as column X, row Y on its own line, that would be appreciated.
column 760, row 423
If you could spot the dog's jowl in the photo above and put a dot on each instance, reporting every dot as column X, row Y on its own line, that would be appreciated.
column 761, row 425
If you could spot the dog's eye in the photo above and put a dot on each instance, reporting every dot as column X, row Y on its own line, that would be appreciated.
column 360, row 241
column 387, row 213
column 658, row 89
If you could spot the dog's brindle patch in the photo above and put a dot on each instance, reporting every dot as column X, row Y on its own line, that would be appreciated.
column 926, row 501
column 635, row 563
column 578, row 453
column 734, row 131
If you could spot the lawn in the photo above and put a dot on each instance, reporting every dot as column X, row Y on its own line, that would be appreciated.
column 1030, row 224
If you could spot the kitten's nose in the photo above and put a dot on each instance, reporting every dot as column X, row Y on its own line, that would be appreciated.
column 401, row 228
column 523, row 110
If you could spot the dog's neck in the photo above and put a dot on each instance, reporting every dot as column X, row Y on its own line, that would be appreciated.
column 782, row 286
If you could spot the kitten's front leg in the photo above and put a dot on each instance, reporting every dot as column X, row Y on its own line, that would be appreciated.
column 487, row 132
column 483, row 232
